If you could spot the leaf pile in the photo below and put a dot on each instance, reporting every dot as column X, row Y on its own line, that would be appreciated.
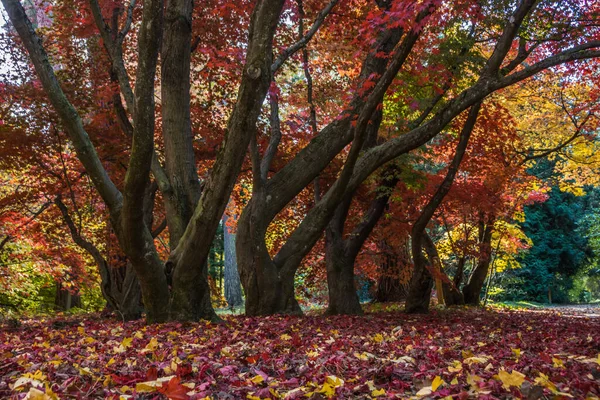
column 449, row 354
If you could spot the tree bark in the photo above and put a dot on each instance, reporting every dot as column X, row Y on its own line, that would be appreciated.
column 119, row 286
column 267, row 290
column 289, row 181
column 339, row 260
column 343, row 297
column 472, row 290
column 341, row 252
column 233, row 286
column 452, row 293
column 180, row 162
column 390, row 287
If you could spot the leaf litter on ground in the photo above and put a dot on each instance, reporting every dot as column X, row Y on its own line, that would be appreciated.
column 448, row 354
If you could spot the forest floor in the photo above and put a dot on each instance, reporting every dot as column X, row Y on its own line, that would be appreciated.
column 459, row 353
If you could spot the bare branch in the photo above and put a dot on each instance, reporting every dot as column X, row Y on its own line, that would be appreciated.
column 303, row 41
column 159, row 228
column 510, row 31
column 123, row 32
column 582, row 52
column 115, row 53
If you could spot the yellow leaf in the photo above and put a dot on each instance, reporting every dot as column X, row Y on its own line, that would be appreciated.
column 36, row 394
column 517, row 353
column 145, row 387
column 455, row 367
column 378, row 392
column 37, row 375
column 110, row 362
column 334, row 381
column 225, row 351
column 437, row 382
column 127, row 342
column 312, row 354
column 544, row 381
column 473, row 379
column 285, row 336
column 454, row 381
column 84, row 370
column 378, row 338
column 251, row 397
column 327, row 390
column 152, row 345
column 361, row 356
column 558, row 363
column 515, row 378
column 475, row 360
column 257, row 379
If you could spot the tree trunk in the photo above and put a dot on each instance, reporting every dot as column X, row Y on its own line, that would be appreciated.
column 391, row 287
column 472, row 290
column 421, row 283
column 268, row 290
column 450, row 293
column 233, row 286
column 180, row 162
column 343, row 297
column 123, row 289
column 64, row 299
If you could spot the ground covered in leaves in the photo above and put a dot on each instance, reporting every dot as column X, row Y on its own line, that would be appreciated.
column 448, row 354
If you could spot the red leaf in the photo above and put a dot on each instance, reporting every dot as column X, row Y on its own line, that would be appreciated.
column 174, row 390
column 152, row 373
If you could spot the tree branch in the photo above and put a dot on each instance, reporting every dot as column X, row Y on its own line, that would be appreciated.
column 303, row 41
column 67, row 113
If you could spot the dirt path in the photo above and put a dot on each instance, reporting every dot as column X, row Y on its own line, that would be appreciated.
column 582, row 310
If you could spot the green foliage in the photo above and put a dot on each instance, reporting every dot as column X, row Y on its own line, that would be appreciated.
column 554, row 266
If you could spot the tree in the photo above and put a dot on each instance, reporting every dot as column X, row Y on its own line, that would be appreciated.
column 398, row 46
column 189, row 298
column 233, row 287
column 493, row 75
column 559, row 250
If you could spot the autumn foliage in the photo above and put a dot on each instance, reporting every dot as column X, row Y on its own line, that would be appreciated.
column 459, row 354
column 158, row 156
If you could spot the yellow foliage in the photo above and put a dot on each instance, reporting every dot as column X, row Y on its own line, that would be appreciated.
column 515, row 378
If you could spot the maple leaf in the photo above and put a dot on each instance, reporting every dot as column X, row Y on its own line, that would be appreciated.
column 151, row 346
column 174, row 390
column 515, row 378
